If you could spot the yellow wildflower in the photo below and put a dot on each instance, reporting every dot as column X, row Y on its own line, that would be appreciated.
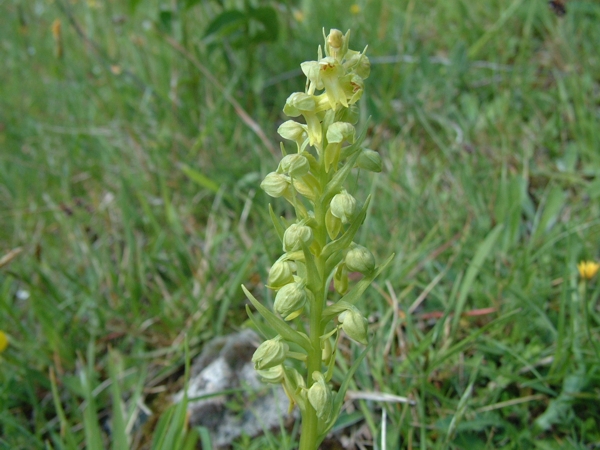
column 355, row 9
column 587, row 269
column 3, row 341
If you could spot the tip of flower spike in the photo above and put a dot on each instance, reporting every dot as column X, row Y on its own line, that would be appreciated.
column 588, row 269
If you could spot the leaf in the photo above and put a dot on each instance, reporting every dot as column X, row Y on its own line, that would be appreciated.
column 267, row 17
column 199, row 178
column 552, row 207
column 119, row 428
column 341, row 393
column 279, row 325
column 259, row 326
column 279, row 228
column 482, row 253
column 226, row 23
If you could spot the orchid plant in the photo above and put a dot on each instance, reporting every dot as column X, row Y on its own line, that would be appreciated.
column 318, row 248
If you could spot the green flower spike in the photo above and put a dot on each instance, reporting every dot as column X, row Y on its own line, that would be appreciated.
column 318, row 244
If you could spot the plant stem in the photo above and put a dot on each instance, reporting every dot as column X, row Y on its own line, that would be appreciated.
column 310, row 433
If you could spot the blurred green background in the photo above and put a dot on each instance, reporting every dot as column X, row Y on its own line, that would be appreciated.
column 134, row 135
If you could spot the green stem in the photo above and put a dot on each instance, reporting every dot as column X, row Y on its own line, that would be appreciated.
column 310, row 432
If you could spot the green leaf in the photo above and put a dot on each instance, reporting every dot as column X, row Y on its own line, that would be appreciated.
column 278, row 324
column 267, row 17
column 482, row 253
column 338, row 401
column 119, row 428
column 259, row 326
column 199, row 178
column 71, row 443
column 279, row 228
column 226, row 23
column 552, row 207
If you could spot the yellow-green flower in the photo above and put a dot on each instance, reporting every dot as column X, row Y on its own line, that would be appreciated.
column 587, row 269
column 3, row 341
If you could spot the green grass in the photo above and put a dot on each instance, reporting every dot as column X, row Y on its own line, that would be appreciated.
column 130, row 180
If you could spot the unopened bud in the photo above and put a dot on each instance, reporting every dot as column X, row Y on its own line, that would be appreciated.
column 354, row 325
column 360, row 259
column 343, row 206
column 297, row 103
column 295, row 235
column 292, row 130
column 320, row 396
column 270, row 353
column 335, row 39
column 369, row 160
column 290, row 300
column 295, row 165
column 275, row 184
column 280, row 274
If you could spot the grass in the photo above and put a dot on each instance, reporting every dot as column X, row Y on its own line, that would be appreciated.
column 129, row 179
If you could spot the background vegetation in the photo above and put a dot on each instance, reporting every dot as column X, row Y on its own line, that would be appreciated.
column 133, row 137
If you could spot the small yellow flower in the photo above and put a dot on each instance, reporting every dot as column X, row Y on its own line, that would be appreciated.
column 3, row 341
column 355, row 9
column 587, row 269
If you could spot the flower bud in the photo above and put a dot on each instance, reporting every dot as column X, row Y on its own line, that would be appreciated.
column 295, row 235
column 320, row 396
column 354, row 325
column 360, row 259
column 297, row 103
column 292, row 130
column 273, row 375
column 369, row 160
column 275, row 184
column 290, row 300
column 343, row 206
column 295, row 165
column 270, row 353
column 280, row 274
column 335, row 39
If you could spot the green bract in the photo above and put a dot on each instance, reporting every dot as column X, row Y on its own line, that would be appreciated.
column 318, row 243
